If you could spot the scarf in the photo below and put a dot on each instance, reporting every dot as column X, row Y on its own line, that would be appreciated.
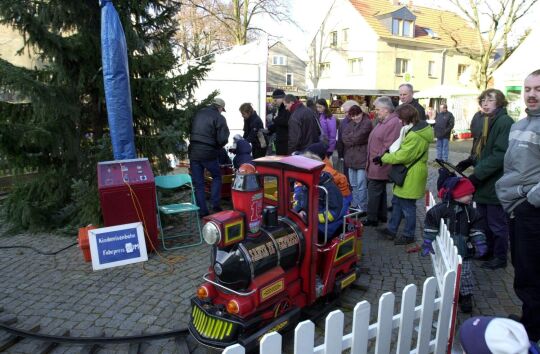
column 396, row 144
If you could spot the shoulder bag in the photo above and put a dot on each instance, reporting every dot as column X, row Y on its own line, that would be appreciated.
column 398, row 172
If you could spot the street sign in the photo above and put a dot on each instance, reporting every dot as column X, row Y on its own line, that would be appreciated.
column 118, row 245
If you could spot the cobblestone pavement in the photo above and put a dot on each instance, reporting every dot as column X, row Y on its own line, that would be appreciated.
column 62, row 292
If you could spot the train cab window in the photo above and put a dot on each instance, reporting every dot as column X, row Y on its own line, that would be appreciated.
column 299, row 195
column 271, row 189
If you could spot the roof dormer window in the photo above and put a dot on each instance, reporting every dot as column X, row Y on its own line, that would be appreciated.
column 403, row 28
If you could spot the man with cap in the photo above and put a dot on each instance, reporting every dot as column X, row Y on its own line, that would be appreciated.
column 493, row 335
column 280, row 124
column 209, row 133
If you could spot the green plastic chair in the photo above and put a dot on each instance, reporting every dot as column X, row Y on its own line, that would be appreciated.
column 177, row 186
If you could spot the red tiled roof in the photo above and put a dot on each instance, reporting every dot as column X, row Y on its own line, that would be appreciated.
column 445, row 24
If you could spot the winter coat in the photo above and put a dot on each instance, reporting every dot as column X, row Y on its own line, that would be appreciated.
column 414, row 146
column 252, row 125
column 488, row 166
column 355, row 139
column 521, row 179
column 243, row 153
column 340, row 147
column 329, row 129
column 209, row 133
column 419, row 108
column 303, row 128
column 444, row 123
column 464, row 222
column 335, row 199
column 380, row 139
column 280, row 126
column 339, row 178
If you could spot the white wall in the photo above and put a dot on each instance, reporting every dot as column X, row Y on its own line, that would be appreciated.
column 240, row 76
column 362, row 43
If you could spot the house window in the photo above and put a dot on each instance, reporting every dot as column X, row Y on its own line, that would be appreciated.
column 431, row 68
column 402, row 66
column 279, row 60
column 333, row 39
column 325, row 69
column 395, row 26
column 402, row 28
column 289, row 79
column 346, row 35
column 407, row 28
column 461, row 69
column 355, row 65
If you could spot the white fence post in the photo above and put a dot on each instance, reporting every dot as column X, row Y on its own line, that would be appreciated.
column 447, row 268
column 304, row 337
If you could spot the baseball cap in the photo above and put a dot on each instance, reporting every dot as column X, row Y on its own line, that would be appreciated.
column 219, row 102
column 493, row 335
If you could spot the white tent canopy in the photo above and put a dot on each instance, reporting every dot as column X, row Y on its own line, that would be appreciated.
column 446, row 91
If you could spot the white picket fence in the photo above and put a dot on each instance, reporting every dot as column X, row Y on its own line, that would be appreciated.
column 439, row 294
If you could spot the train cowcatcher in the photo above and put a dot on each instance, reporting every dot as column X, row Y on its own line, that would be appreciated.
column 270, row 264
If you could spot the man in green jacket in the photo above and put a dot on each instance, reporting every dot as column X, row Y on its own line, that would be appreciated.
column 488, row 160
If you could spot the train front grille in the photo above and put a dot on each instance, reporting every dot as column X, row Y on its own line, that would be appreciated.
column 211, row 327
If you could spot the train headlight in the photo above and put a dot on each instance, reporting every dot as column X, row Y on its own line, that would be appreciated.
column 232, row 307
column 211, row 233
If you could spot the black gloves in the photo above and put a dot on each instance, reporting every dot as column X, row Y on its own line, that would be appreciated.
column 377, row 159
column 465, row 164
column 475, row 181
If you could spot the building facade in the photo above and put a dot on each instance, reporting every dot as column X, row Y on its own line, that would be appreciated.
column 285, row 71
column 370, row 47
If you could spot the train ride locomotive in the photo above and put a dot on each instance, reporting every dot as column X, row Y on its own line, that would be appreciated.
column 268, row 263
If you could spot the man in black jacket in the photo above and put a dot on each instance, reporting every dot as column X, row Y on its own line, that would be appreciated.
column 303, row 125
column 280, row 125
column 406, row 95
column 444, row 123
column 209, row 133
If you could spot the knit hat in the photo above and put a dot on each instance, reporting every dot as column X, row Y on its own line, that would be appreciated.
column 456, row 187
column 278, row 93
column 318, row 149
column 491, row 335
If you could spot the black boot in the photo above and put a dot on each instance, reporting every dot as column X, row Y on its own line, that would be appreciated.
column 465, row 303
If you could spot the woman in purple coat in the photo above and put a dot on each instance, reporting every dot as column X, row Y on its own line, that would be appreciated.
column 328, row 125
column 383, row 135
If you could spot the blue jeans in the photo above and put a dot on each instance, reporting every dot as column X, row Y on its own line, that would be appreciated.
column 197, row 175
column 403, row 208
column 357, row 178
column 442, row 149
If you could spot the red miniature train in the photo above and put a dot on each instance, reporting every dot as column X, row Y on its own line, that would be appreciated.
column 268, row 264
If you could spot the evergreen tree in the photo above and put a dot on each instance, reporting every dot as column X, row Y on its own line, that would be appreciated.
column 59, row 129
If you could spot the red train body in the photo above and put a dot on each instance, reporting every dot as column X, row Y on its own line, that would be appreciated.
column 268, row 263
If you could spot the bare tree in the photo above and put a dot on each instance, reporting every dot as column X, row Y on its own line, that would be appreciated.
column 317, row 50
column 236, row 17
column 493, row 22
column 200, row 33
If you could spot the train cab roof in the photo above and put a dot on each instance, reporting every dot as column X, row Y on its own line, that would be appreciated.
column 294, row 163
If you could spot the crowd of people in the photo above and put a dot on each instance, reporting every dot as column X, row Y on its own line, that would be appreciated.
column 501, row 175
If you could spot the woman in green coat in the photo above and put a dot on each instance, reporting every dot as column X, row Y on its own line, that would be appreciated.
column 411, row 151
